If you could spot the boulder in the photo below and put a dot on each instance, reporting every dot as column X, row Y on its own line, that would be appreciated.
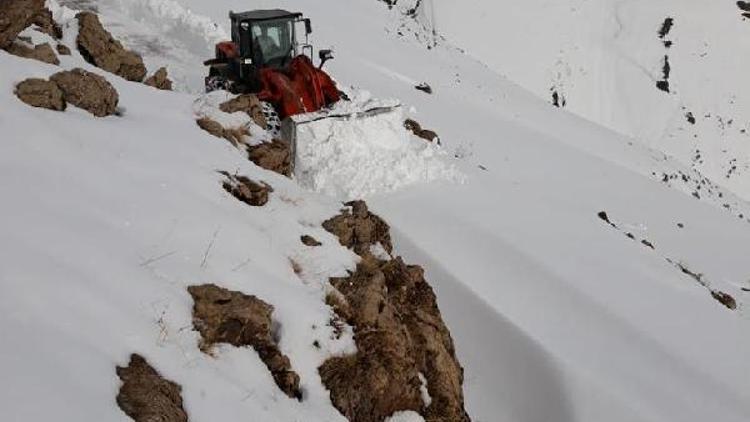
column 46, row 23
column 42, row 52
column 88, row 91
column 15, row 16
column 63, row 50
column 41, row 93
column 101, row 49
column 249, row 104
column 159, row 80
column 146, row 396
column 275, row 156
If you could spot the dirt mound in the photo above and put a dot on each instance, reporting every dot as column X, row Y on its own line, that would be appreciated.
column 46, row 24
column 398, row 330
column 99, row 48
column 41, row 93
column 88, row 91
column 42, row 52
column 428, row 135
column 274, row 156
column 246, row 190
column 147, row 397
column 234, row 135
column 224, row 316
column 248, row 103
column 15, row 16
column 159, row 80
column 359, row 229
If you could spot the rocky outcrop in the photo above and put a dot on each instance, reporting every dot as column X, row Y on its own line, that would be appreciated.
column 275, row 156
column 250, row 192
column 42, row 52
column 358, row 229
column 99, row 48
column 224, row 316
column 147, row 397
column 159, row 80
column 41, row 93
column 399, row 332
column 414, row 127
column 88, row 91
column 249, row 104
column 15, row 16
column 46, row 24
column 234, row 135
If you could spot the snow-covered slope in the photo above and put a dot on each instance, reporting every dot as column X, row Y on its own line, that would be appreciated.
column 556, row 314
column 604, row 59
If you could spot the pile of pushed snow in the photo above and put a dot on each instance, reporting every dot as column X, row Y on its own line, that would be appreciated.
column 349, row 157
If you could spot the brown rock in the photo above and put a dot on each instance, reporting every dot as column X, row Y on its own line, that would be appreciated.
column 398, row 330
column 414, row 127
column 147, row 397
column 63, row 50
column 246, row 190
column 725, row 299
column 42, row 52
column 88, row 91
column 159, row 80
column 308, row 240
column 224, row 316
column 359, row 229
column 44, row 21
column 275, row 156
column 211, row 126
column 41, row 93
column 99, row 48
column 15, row 16
column 236, row 136
column 248, row 103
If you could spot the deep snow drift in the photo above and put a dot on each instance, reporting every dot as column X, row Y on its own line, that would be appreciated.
column 555, row 314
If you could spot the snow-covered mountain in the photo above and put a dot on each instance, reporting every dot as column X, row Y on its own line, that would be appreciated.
column 578, row 273
column 670, row 73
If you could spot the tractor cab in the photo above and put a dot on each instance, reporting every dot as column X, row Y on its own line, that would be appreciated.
column 268, row 38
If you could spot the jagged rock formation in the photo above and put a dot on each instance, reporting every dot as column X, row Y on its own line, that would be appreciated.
column 398, row 330
column 42, row 52
column 88, row 91
column 147, row 397
column 41, row 93
column 15, row 16
column 250, row 192
column 99, row 48
column 224, row 316
column 159, row 80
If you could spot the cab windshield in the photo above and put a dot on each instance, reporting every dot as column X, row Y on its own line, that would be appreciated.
column 273, row 40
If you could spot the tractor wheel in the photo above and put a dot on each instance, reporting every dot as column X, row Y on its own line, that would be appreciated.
column 273, row 122
column 215, row 83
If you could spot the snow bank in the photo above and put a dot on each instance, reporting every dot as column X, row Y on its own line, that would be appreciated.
column 407, row 416
column 355, row 158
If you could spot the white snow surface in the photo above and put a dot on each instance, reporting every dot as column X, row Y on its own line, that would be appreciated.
column 556, row 315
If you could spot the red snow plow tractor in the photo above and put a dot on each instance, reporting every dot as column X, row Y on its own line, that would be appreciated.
column 266, row 57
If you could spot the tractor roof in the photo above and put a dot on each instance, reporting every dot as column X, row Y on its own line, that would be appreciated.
column 263, row 15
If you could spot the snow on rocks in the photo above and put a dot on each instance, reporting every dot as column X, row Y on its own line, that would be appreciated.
column 405, row 416
column 353, row 158
column 15, row 16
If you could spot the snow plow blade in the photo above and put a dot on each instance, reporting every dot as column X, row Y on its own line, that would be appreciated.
column 304, row 132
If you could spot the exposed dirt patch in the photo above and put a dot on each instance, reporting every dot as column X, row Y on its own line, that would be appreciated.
column 249, row 104
column 358, row 229
column 88, row 91
column 42, row 52
column 246, row 190
column 15, row 16
column 308, row 240
column 398, row 330
column 275, row 156
column 147, row 397
column 224, row 316
column 428, row 135
column 101, row 49
column 41, row 93
column 159, row 80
